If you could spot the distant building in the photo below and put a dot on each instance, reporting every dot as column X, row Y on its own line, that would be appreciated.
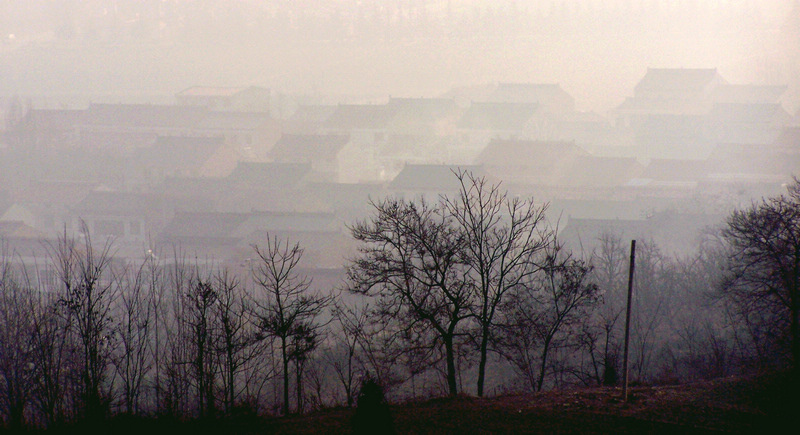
column 241, row 99
column 321, row 151
column 529, row 162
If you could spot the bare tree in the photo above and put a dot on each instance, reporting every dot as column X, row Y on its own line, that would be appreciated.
column 53, row 362
column 763, row 271
column 501, row 235
column 17, row 352
column 288, row 309
column 176, row 356
column 235, row 344
column 134, row 332
column 411, row 258
column 88, row 297
column 609, row 273
column 653, row 283
column 543, row 310
column 202, row 301
column 352, row 323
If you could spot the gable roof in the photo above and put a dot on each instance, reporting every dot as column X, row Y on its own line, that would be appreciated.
column 19, row 230
column 119, row 203
column 518, row 152
column 423, row 107
column 268, row 175
column 545, row 94
column 675, row 79
column 177, row 153
column 225, row 120
column 361, row 116
column 674, row 232
column 63, row 193
column 601, row 171
column 497, row 116
column 748, row 113
column 422, row 115
column 260, row 221
column 308, row 118
column 307, row 147
column 213, row 225
column 58, row 120
column 210, row 91
column 789, row 139
column 430, row 177
column 682, row 170
column 748, row 94
column 144, row 115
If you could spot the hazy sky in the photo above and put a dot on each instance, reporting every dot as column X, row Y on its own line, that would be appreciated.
column 597, row 50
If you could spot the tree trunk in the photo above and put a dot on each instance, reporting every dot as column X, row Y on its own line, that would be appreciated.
column 298, row 371
column 484, row 349
column 451, row 365
column 543, row 366
column 285, row 358
column 795, row 331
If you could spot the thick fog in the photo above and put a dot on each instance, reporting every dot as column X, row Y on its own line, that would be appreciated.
column 208, row 124
column 199, row 198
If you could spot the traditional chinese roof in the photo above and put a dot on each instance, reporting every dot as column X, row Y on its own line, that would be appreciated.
column 307, row 147
column 497, row 116
column 430, row 177
column 676, row 79
column 348, row 117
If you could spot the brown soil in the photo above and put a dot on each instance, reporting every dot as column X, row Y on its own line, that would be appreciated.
column 735, row 405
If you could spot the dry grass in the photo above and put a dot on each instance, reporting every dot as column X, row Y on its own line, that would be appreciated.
column 734, row 405
column 765, row 403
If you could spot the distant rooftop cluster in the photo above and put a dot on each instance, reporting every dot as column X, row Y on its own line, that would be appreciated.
column 222, row 167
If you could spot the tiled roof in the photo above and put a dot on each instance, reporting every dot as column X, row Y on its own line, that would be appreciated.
column 209, row 91
column 497, row 116
column 500, row 152
column 234, row 120
column 541, row 93
column 144, row 115
column 269, row 174
column 676, row 170
column 676, row 79
column 724, row 114
column 307, row 147
column 361, row 116
column 601, row 171
column 119, row 203
column 429, row 177
column 177, row 152
column 203, row 225
column 748, row 93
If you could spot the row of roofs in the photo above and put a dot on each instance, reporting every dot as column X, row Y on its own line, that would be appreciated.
column 334, row 158
column 280, row 186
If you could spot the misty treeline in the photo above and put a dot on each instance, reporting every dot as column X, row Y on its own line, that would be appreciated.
column 471, row 293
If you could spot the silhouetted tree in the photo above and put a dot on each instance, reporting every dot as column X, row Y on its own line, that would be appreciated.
column 134, row 331
column 287, row 310
column 763, row 271
column 372, row 415
column 235, row 343
column 543, row 309
column 501, row 235
column 17, row 351
column 87, row 295
column 411, row 259
column 352, row 322
column 201, row 301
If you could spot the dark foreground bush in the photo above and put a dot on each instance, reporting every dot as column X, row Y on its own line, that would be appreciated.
column 372, row 414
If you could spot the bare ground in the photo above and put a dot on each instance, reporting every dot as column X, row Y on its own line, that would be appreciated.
column 763, row 403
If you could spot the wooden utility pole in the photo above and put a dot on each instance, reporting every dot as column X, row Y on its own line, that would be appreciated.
column 628, row 323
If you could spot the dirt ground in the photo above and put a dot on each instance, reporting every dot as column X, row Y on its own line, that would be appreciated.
column 765, row 403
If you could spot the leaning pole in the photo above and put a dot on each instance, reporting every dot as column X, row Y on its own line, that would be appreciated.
column 628, row 323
